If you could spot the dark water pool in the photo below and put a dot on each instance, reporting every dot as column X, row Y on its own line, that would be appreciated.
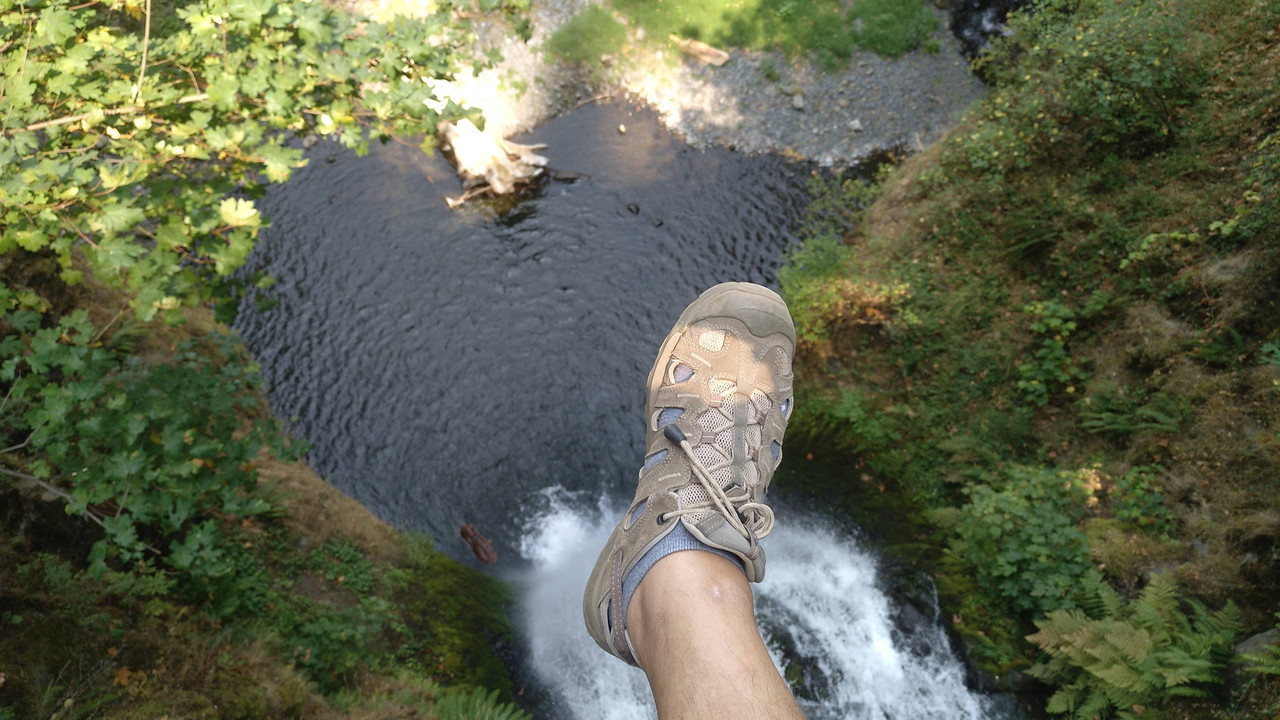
column 448, row 364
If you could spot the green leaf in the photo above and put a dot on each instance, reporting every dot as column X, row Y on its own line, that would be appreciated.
column 116, row 216
column 222, row 91
column 56, row 25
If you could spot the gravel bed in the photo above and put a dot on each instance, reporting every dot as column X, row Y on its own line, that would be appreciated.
column 834, row 118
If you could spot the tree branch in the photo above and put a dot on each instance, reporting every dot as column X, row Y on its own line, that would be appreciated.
column 20, row 445
column 146, row 42
column 198, row 97
column 87, row 512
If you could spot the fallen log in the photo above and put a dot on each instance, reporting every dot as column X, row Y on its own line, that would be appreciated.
column 701, row 51
column 479, row 544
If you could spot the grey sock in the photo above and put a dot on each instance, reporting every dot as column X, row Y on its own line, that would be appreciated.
column 677, row 540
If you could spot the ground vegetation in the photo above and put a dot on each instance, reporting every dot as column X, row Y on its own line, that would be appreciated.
column 1051, row 341
column 826, row 31
column 162, row 552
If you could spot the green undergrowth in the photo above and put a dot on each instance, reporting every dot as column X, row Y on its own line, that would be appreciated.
column 590, row 35
column 1052, row 341
column 828, row 31
column 148, row 568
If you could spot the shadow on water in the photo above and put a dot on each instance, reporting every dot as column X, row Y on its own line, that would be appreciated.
column 484, row 365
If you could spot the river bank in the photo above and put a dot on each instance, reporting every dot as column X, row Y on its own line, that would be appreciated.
column 756, row 102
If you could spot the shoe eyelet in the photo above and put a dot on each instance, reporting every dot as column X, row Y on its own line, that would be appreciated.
column 662, row 518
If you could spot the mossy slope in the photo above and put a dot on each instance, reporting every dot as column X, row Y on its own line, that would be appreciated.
column 1081, row 282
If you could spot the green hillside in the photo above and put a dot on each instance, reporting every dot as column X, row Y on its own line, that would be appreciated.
column 1053, row 343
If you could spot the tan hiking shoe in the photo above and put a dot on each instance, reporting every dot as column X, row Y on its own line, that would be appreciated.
column 719, row 399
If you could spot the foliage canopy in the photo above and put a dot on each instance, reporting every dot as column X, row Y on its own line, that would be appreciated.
column 142, row 135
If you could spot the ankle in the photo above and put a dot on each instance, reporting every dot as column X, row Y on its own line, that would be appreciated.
column 684, row 595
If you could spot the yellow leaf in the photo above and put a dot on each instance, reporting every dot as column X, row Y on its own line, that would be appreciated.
column 238, row 212
column 122, row 677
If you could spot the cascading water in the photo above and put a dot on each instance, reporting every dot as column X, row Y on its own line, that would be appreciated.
column 819, row 603
column 449, row 367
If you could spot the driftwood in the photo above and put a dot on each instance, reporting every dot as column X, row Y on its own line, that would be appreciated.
column 699, row 50
column 480, row 545
column 487, row 162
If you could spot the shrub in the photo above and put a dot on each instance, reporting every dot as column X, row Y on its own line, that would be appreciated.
column 1021, row 538
column 1092, row 75
column 1126, row 659
column 1051, row 367
column 157, row 454
column 1134, row 501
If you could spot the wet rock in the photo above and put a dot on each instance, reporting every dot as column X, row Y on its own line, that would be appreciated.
column 975, row 22
column 1259, row 643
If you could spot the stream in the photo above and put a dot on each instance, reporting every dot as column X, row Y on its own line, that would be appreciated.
column 485, row 365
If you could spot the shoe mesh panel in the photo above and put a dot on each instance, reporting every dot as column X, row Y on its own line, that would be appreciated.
column 712, row 340
column 707, row 456
column 761, row 401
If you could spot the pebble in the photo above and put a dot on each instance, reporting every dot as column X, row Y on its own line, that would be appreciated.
column 797, row 102
column 855, row 125
column 842, row 103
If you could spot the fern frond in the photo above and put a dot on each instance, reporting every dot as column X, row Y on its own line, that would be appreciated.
column 476, row 705
column 1161, row 595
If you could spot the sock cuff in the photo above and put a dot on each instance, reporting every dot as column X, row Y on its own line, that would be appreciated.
column 678, row 540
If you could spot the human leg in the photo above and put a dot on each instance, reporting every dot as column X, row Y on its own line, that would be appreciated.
column 719, row 397
column 692, row 626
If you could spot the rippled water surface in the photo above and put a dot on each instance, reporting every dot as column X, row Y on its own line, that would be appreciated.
column 486, row 367
column 448, row 364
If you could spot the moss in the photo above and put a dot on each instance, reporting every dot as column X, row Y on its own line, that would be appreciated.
column 184, row 704
column 1125, row 554
column 458, row 622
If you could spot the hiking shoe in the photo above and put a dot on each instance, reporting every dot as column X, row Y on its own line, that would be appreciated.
column 719, row 397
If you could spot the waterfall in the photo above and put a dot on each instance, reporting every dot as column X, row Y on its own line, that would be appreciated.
column 819, row 604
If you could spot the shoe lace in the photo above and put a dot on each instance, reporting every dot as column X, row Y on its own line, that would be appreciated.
column 752, row 519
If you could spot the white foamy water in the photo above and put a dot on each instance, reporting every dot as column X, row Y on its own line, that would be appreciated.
column 819, row 603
